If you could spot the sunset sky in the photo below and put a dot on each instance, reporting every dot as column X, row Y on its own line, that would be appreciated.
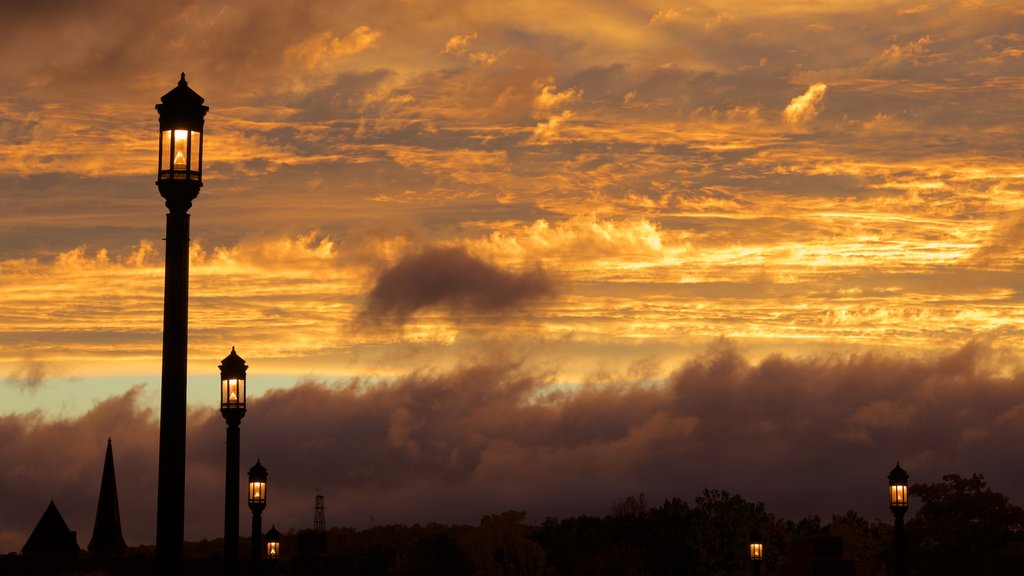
column 536, row 255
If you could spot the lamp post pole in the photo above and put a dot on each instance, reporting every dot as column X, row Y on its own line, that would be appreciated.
column 179, row 178
column 898, row 502
column 232, row 407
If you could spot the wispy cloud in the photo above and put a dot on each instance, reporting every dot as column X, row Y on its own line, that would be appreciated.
column 28, row 375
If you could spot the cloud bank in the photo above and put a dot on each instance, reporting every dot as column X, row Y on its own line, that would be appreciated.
column 803, row 434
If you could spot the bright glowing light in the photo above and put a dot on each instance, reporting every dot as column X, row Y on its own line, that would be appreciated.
column 898, row 495
column 180, row 148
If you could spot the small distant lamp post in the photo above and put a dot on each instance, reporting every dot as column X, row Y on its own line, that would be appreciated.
column 232, row 407
column 756, row 551
column 898, row 502
column 257, row 502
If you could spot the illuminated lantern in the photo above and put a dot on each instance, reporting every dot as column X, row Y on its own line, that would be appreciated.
column 232, row 383
column 181, row 134
column 273, row 543
column 756, row 547
column 898, row 489
column 257, row 487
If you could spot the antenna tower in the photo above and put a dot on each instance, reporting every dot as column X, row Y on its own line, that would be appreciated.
column 319, row 523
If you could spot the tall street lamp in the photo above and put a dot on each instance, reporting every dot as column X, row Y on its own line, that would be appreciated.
column 898, row 502
column 179, row 178
column 232, row 407
column 756, row 551
column 257, row 502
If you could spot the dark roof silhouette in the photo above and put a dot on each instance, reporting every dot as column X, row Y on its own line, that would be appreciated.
column 106, row 532
column 182, row 96
column 51, row 536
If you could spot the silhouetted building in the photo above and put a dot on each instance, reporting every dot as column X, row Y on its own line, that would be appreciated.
column 818, row 556
column 51, row 537
column 107, row 539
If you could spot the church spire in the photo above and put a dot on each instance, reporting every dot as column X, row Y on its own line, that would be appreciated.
column 106, row 533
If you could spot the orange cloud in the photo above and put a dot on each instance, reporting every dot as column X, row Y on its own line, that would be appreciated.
column 550, row 130
column 805, row 107
column 323, row 50
column 458, row 44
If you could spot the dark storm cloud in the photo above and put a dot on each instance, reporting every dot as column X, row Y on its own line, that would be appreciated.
column 805, row 435
column 451, row 278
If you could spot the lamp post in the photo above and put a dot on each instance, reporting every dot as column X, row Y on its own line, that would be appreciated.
column 756, row 551
column 257, row 502
column 232, row 407
column 898, row 502
column 273, row 549
column 179, row 178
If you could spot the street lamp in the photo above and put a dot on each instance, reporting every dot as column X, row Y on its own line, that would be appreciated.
column 257, row 502
column 179, row 178
column 898, row 502
column 232, row 407
column 756, row 551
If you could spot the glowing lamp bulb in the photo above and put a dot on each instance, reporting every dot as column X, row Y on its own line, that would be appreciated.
column 180, row 147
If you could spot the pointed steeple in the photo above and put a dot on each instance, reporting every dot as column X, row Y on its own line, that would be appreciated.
column 106, row 533
column 51, row 537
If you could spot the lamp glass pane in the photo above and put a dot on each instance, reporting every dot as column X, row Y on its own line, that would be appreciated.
column 193, row 161
column 165, row 147
column 756, row 550
column 273, row 549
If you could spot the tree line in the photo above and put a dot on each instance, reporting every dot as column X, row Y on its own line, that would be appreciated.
column 959, row 526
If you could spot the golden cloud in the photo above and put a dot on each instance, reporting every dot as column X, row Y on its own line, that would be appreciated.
column 549, row 130
column 458, row 44
column 549, row 97
column 322, row 50
column 804, row 107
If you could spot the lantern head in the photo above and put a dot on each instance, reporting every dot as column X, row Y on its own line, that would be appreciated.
column 273, row 543
column 181, row 138
column 257, row 487
column 898, row 489
column 756, row 546
column 232, row 385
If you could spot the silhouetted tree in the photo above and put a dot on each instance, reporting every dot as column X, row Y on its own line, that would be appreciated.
column 438, row 554
column 720, row 534
column 501, row 547
column 866, row 543
column 964, row 527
